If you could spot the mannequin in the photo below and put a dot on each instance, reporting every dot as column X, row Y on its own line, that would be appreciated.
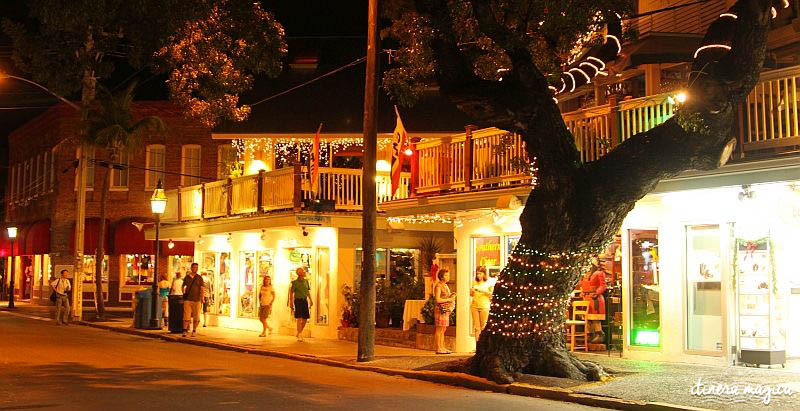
column 593, row 285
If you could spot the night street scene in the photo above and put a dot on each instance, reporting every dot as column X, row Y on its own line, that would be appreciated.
column 400, row 205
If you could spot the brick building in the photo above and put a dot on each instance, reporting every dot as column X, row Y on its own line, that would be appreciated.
column 41, row 200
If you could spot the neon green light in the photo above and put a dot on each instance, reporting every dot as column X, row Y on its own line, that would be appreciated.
column 646, row 337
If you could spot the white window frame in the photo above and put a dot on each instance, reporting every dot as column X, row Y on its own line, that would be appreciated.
column 125, row 160
column 187, row 180
column 53, row 164
column 45, row 180
column 154, row 172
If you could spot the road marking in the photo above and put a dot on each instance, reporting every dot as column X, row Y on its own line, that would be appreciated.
column 26, row 316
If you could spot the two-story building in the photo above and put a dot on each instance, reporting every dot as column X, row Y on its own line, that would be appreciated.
column 41, row 201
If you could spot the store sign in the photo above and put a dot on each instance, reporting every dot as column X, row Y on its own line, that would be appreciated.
column 487, row 251
column 313, row 220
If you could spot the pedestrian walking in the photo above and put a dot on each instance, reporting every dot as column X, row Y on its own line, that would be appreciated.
column 163, row 292
column 61, row 287
column 266, row 298
column 300, row 301
column 192, row 300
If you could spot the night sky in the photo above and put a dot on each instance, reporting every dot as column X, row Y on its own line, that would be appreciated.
column 305, row 22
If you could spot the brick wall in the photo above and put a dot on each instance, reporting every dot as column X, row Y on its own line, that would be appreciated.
column 56, row 128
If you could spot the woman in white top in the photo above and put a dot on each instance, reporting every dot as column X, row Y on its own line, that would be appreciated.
column 177, row 285
column 266, row 298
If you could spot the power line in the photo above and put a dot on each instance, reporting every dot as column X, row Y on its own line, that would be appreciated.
column 330, row 73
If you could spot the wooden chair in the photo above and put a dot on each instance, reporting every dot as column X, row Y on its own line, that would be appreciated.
column 578, row 327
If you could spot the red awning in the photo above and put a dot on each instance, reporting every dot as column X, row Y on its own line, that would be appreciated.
column 129, row 237
column 5, row 242
column 180, row 248
column 37, row 238
column 91, row 228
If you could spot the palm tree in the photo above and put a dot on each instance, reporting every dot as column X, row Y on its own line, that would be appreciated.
column 111, row 125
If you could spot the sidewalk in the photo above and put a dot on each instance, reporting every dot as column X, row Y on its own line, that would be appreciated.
column 636, row 384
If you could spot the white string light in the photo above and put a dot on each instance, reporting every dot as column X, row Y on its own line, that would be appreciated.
column 602, row 73
column 785, row 4
column 573, row 81
column 600, row 62
column 773, row 12
column 588, row 79
column 616, row 40
column 563, row 85
column 553, row 89
column 731, row 15
column 596, row 70
column 710, row 46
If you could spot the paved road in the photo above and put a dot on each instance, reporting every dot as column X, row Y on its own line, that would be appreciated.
column 44, row 366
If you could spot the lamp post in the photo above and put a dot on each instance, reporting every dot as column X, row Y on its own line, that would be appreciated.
column 12, row 235
column 158, row 203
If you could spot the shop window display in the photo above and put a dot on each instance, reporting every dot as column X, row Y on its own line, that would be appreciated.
column 381, row 266
column 179, row 264
column 247, row 280
column 138, row 269
column 89, row 267
column 302, row 257
column 762, row 332
column 223, row 288
column 645, row 288
column 704, row 288
column 208, row 266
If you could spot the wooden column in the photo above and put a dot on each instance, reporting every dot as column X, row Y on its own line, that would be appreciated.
column 297, row 197
column 613, row 122
column 203, row 201
column 180, row 207
column 260, row 191
column 413, row 182
column 229, row 195
column 652, row 79
column 468, row 160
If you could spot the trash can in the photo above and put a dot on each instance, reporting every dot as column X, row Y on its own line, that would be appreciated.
column 144, row 310
column 175, row 314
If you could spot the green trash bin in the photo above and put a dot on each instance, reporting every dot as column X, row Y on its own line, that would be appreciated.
column 144, row 309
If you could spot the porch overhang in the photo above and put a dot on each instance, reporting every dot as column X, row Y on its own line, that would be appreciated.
column 455, row 202
column 751, row 172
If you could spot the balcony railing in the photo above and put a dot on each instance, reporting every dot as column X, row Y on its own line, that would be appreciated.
column 284, row 189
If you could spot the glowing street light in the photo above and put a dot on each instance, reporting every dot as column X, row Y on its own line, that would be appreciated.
column 158, row 204
column 12, row 235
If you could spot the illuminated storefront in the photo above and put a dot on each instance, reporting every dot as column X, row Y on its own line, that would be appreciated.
column 709, row 272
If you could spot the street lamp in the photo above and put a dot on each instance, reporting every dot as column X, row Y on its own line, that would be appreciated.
column 12, row 235
column 158, row 203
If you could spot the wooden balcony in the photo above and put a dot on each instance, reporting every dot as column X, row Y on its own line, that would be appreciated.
column 285, row 189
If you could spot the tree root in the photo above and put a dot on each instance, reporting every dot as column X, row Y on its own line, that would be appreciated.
column 556, row 361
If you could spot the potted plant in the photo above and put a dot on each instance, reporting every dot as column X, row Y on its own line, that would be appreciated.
column 351, row 307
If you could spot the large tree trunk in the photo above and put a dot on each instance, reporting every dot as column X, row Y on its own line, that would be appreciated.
column 575, row 208
column 101, row 238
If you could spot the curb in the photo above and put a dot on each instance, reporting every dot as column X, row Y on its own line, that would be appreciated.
column 439, row 377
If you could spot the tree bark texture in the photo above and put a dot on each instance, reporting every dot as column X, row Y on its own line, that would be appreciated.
column 576, row 208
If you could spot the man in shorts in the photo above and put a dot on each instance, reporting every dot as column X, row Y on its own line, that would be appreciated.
column 192, row 299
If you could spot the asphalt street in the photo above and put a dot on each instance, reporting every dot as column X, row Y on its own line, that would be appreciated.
column 44, row 366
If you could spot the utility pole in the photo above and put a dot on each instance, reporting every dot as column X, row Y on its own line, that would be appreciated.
column 366, row 331
column 80, row 215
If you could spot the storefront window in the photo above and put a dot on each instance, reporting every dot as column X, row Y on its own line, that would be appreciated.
column 645, row 288
column 403, row 262
column 223, row 287
column 208, row 266
column 511, row 242
column 761, row 317
column 247, row 279
column 381, row 267
column 488, row 252
column 704, row 292
column 138, row 268
column 180, row 264
column 89, row 268
column 322, row 285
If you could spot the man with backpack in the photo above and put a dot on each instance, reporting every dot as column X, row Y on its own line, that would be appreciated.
column 193, row 287
column 61, row 288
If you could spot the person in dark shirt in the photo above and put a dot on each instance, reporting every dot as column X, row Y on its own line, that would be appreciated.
column 192, row 299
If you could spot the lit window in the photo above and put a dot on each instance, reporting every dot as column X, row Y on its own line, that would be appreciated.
column 155, row 165
column 190, row 165
column 119, row 177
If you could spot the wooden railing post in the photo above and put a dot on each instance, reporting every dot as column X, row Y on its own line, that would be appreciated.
column 297, row 197
column 413, row 182
column 740, row 146
column 202, row 201
column 260, row 191
column 468, row 160
column 613, row 122
column 229, row 196
column 180, row 206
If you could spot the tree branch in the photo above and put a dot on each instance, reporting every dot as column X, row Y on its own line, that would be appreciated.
column 699, row 135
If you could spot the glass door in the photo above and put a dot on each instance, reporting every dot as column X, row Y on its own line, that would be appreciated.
column 645, row 288
column 322, row 289
column 703, row 289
